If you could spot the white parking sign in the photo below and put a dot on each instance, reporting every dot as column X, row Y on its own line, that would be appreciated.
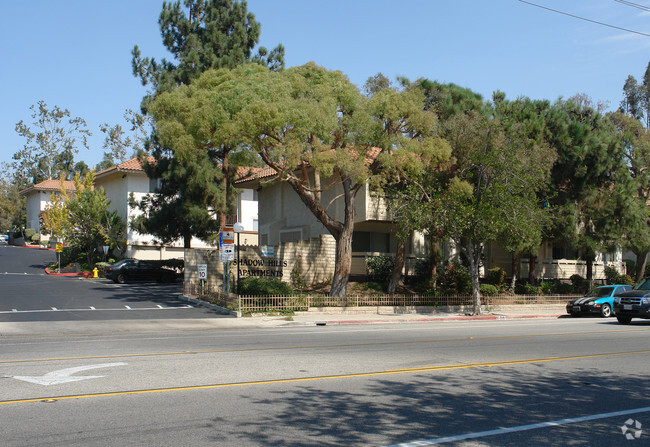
column 227, row 252
column 203, row 271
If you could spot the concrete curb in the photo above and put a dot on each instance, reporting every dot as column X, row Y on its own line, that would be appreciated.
column 82, row 274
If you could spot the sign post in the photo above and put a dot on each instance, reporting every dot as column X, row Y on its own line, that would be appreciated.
column 203, row 275
column 59, row 250
column 226, row 240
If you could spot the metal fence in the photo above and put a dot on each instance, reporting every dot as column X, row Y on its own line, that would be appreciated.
column 247, row 305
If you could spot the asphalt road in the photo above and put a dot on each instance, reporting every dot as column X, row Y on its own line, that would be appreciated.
column 577, row 382
column 28, row 294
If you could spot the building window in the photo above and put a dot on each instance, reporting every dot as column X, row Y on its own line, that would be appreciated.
column 367, row 241
column 561, row 252
column 290, row 235
column 264, row 239
column 256, row 225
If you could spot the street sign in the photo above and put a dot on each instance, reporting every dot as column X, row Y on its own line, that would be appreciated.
column 203, row 271
column 227, row 252
column 227, row 236
column 59, row 247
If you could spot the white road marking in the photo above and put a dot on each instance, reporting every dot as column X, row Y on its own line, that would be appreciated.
column 93, row 308
column 54, row 308
column 501, row 431
column 65, row 375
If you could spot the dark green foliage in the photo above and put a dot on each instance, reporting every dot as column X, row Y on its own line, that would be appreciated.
column 562, row 288
column 380, row 268
column 546, row 287
column 203, row 35
column 580, row 284
column 488, row 290
column 497, row 277
column 524, row 288
column 613, row 277
column 455, row 279
column 184, row 206
column 251, row 286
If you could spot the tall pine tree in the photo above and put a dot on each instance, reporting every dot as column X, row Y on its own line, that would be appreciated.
column 195, row 190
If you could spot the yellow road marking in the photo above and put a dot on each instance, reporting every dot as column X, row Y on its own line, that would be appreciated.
column 343, row 345
column 308, row 379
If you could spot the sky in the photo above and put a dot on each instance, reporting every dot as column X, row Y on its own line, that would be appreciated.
column 76, row 54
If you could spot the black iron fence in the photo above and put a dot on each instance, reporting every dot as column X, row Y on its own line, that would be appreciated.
column 247, row 305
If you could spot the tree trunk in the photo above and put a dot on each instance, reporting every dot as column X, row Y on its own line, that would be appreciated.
column 435, row 258
column 474, row 261
column 515, row 272
column 590, row 271
column 640, row 266
column 400, row 258
column 187, row 240
column 532, row 266
column 344, row 244
column 343, row 263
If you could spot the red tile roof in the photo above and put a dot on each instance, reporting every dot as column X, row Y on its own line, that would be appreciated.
column 267, row 172
column 132, row 165
column 50, row 185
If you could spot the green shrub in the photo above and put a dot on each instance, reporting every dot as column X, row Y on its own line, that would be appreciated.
column 562, row 288
column 497, row 277
column 579, row 283
column 455, row 279
column 613, row 277
column 380, row 268
column 297, row 281
column 488, row 290
column 251, row 286
column 423, row 269
column 29, row 232
column 546, row 287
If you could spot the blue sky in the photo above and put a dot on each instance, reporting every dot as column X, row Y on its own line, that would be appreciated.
column 76, row 53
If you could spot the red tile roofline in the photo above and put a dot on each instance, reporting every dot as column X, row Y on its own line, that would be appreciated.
column 49, row 185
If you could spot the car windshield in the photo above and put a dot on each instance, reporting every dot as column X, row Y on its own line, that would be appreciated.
column 643, row 285
column 600, row 291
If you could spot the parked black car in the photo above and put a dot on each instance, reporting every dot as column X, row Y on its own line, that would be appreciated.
column 135, row 270
column 633, row 304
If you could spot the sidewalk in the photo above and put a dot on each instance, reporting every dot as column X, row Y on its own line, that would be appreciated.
column 301, row 319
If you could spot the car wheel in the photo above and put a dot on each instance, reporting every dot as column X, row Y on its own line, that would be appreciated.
column 624, row 320
column 121, row 278
column 605, row 311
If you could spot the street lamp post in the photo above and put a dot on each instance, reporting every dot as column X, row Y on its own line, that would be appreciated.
column 238, row 227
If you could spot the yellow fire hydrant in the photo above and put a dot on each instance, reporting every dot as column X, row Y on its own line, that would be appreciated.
column 95, row 273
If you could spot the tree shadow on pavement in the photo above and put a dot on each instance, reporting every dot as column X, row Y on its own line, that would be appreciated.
column 445, row 403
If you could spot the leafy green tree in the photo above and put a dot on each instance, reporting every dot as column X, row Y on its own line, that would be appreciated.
column 632, row 103
column 51, row 143
column 12, row 205
column 56, row 217
column 83, row 219
column 201, row 35
column 316, row 130
column 632, row 191
column 497, row 175
column 589, row 156
column 121, row 145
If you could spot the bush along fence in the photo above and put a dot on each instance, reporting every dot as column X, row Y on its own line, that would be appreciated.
column 248, row 305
